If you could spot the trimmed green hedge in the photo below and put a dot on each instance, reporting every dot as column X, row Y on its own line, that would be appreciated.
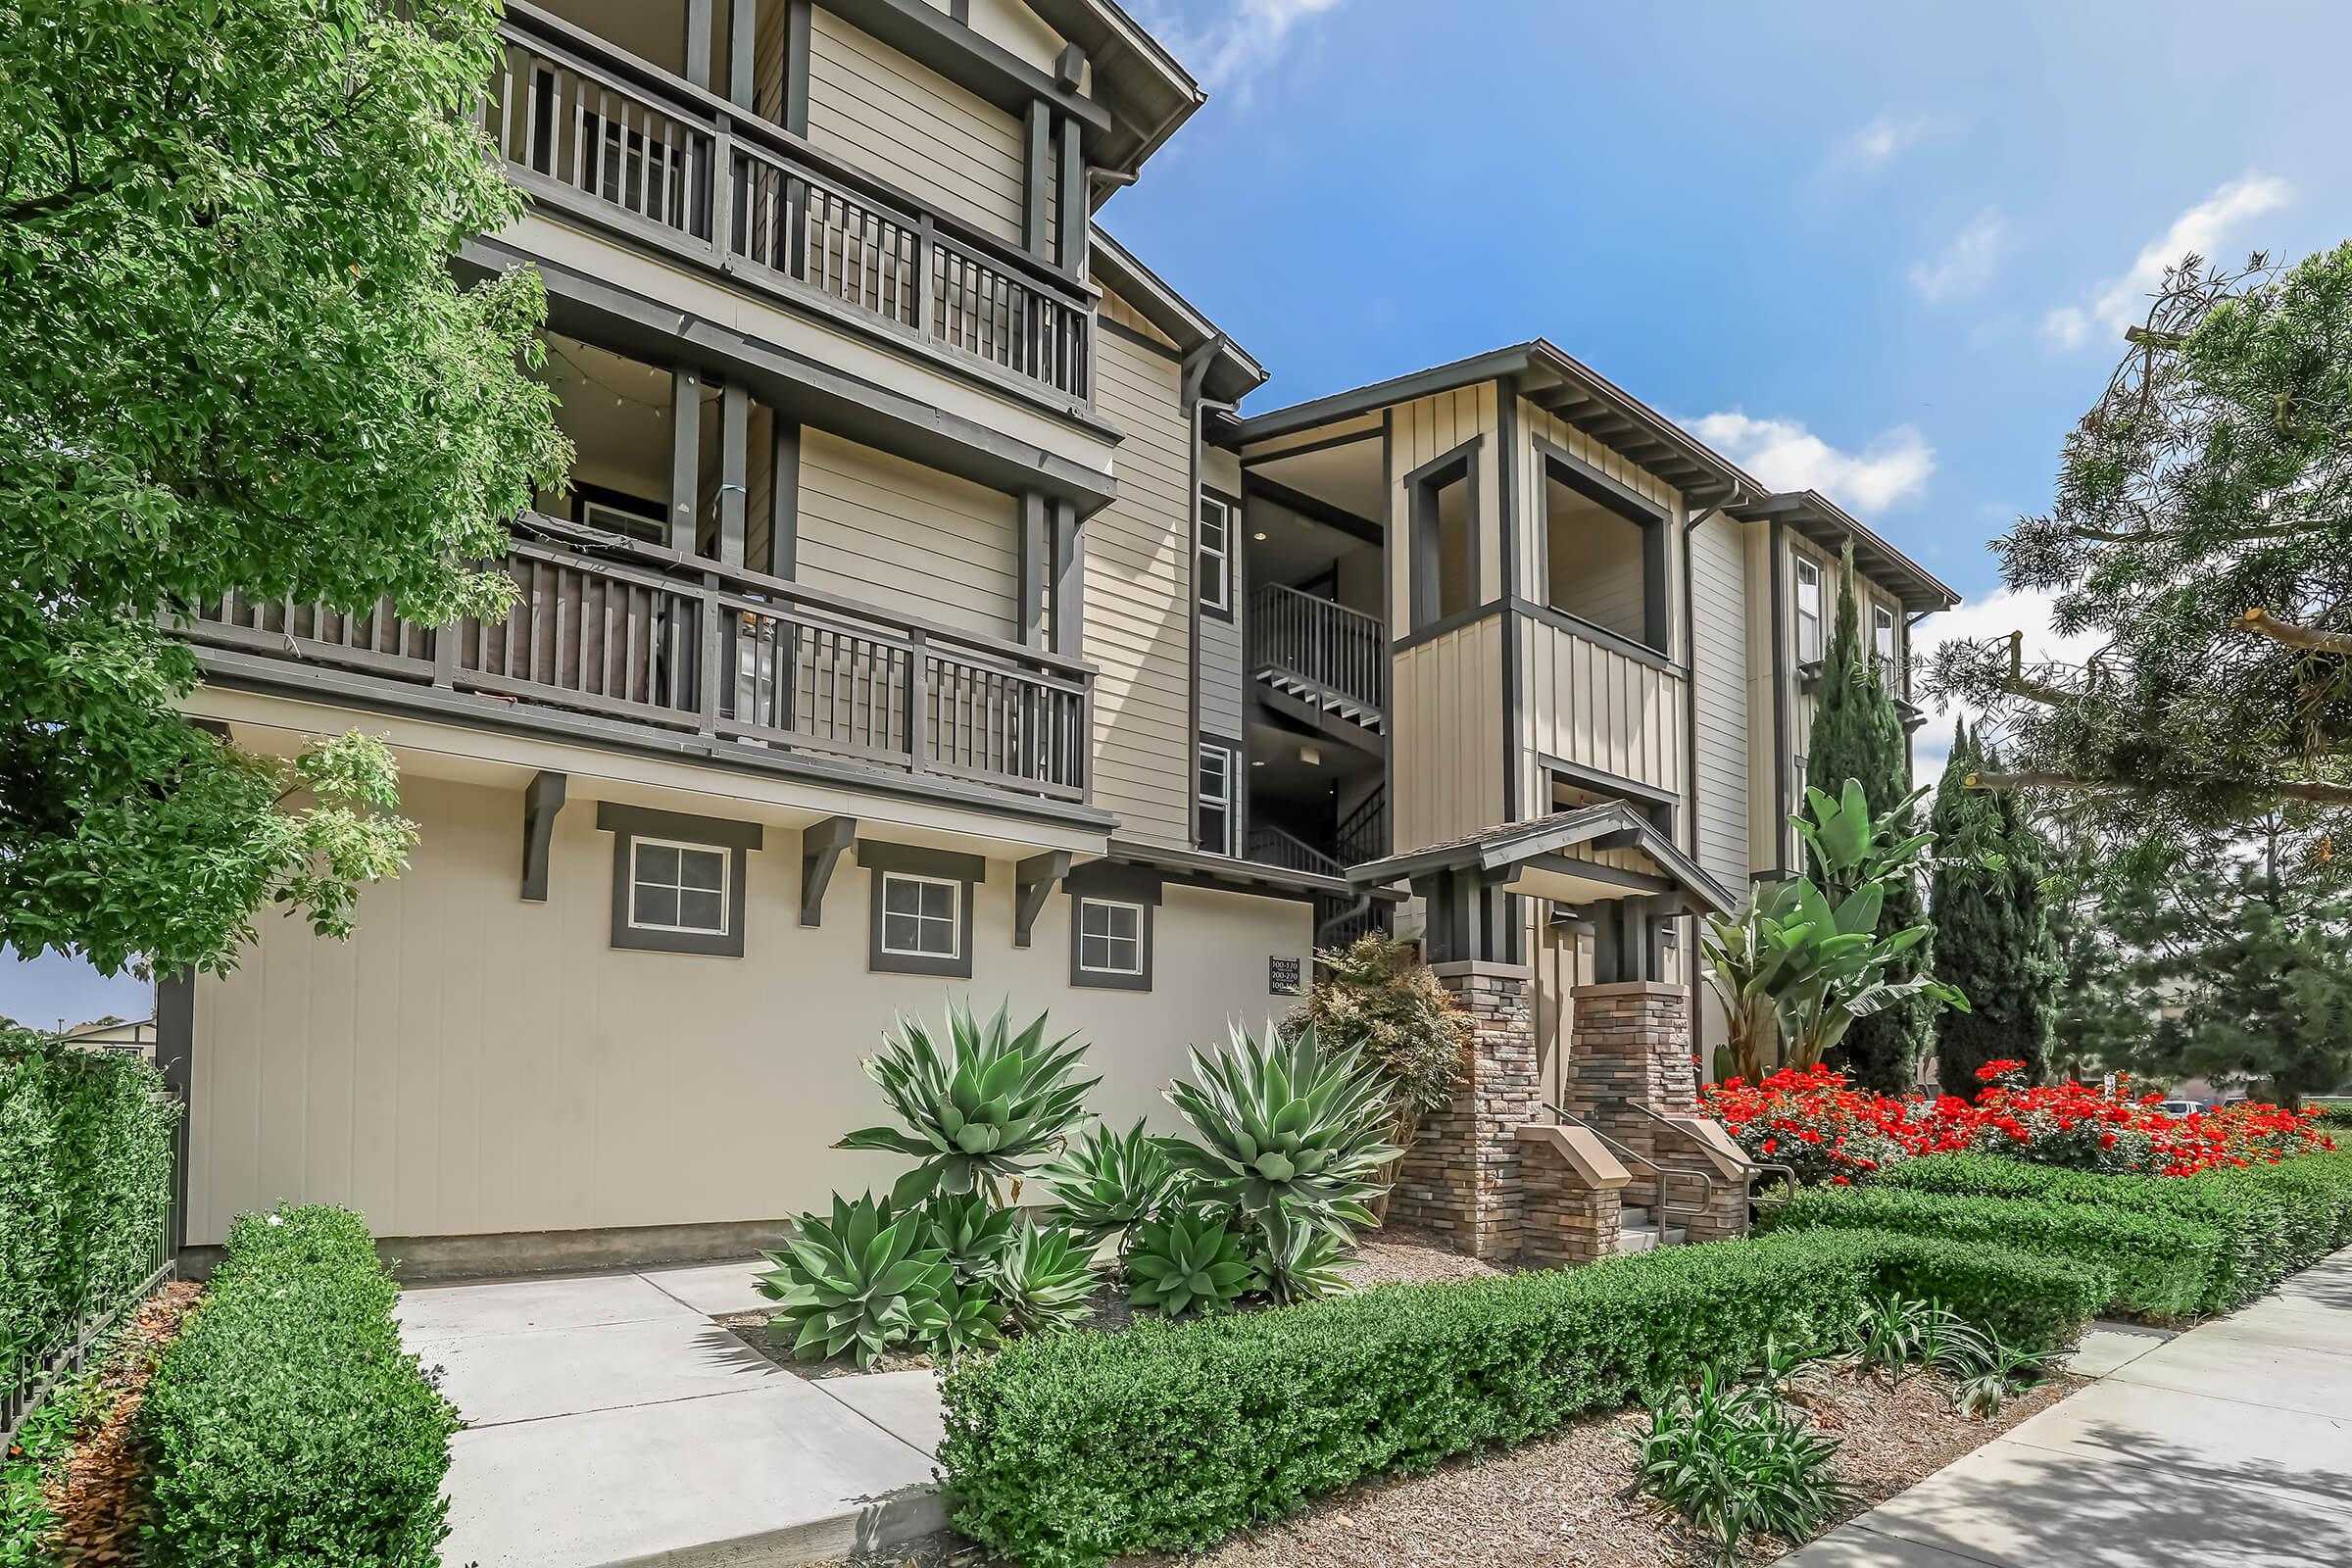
column 85, row 1186
column 1069, row 1449
column 2275, row 1218
column 286, row 1428
column 2164, row 1267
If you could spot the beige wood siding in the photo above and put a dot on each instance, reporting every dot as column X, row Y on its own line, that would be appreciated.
column 1719, row 672
column 908, row 124
column 1139, row 582
column 1115, row 308
column 1591, row 705
column 901, row 536
column 470, row 1063
column 1445, row 736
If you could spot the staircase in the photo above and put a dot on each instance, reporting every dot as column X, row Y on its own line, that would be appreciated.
column 1637, row 1232
column 1325, row 662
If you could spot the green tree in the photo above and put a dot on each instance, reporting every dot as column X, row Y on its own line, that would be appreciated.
column 1992, row 939
column 1857, row 735
column 2202, row 538
column 236, row 358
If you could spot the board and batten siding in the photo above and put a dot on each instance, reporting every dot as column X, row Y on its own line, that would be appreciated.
column 900, row 536
column 907, row 123
column 1421, row 432
column 1588, row 704
column 1221, row 672
column 1138, row 583
column 1445, row 736
column 1719, row 672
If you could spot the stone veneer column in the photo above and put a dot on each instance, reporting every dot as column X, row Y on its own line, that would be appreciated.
column 1630, row 1045
column 1461, row 1179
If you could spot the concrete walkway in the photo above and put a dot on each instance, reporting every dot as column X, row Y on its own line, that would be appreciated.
column 610, row 1420
column 2227, row 1447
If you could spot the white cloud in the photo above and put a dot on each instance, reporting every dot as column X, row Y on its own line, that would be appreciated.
column 1787, row 456
column 1872, row 147
column 2124, row 301
column 1968, row 262
column 1243, row 38
column 1990, row 618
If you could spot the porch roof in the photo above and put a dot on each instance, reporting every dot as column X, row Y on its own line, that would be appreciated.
column 1531, row 858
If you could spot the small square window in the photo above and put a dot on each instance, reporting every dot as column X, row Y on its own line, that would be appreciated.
column 1111, row 937
column 922, row 916
column 1215, row 791
column 1808, row 611
column 677, row 886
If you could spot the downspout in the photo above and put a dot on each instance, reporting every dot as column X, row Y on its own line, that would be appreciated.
column 1737, row 495
column 1197, row 408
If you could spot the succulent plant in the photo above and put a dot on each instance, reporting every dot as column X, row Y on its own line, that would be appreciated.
column 968, row 1231
column 988, row 1106
column 1108, row 1183
column 964, row 1316
column 1285, row 1122
column 1294, row 1261
column 859, row 1279
column 1185, row 1261
column 1046, row 1277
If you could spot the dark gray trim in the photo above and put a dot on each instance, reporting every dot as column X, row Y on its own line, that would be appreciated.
column 1454, row 623
column 1227, row 874
column 1035, row 562
column 629, row 823
column 1594, row 632
column 1312, row 718
column 795, row 67
column 1033, row 882
column 176, row 1060
column 1506, row 476
column 925, row 33
column 734, row 469
column 1235, row 765
column 784, row 500
column 1076, row 222
column 960, row 10
column 685, row 457
column 1142, row 340
column 1234, row 373
column 1218, row 493
column 1037, row 174
column 1496, row 853
column 1602, row 779
column 1425, row 577
column 1312, row 507
column 1780, row 697
column 1110, row 882
column 1305, row 447
column 1069, row 583
column 541, row 799
column 1227, row 611
column 742, row 52
column 822, row 845
column 1388, row 604
column 1654, row 521
column 1127, row 881
column 698, row 43
column 883, row 859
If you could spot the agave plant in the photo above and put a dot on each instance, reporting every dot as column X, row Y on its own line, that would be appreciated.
column 969, row 1232
column 1285, row 1122
column 1108, row 1183
column 965, row 1316
column 860, row 1279
column 1189, row 1259
column 1292, row 1262
column 1045, row 1278
column 988, row 1106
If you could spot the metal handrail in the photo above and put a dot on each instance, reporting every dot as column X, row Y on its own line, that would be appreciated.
column 1661, row 1172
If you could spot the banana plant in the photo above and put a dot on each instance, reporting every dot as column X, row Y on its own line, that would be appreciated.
column 1106, row 1183
column 978, row 1111
column 1285, row 1122
column 1291, row 1261
column 860, row 1280
column 1045, row 1278
column 1186, row 1261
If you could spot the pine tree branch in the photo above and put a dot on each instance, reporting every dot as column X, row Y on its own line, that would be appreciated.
column 2282, row 789
column 2310, row 639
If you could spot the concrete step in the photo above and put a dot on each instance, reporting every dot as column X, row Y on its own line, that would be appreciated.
column 1648, row 1237
column 1633, row 1214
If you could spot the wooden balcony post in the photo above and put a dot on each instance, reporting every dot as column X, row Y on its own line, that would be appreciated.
column 918, row 698
column 722, row 194
column 711, row 627
column 685, row 458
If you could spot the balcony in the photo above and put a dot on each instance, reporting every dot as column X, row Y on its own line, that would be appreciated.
column 608, row 627
column 594, row 133
column 1321, row 661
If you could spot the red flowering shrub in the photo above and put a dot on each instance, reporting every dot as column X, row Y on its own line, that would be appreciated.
column 1831, row 1132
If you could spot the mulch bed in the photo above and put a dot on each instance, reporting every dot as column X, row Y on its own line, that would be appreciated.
column 95, row 1497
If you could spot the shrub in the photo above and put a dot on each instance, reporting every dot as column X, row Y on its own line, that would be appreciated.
column 286, row 1427
column 865, row 1278
column 1736, row 1461
column 1069, row 1450
column 85, row 1183
column 2163, row 1266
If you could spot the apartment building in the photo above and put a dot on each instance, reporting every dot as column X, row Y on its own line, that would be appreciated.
column 922, row 619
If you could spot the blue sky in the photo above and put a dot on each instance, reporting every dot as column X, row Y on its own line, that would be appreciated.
column 1882, row 250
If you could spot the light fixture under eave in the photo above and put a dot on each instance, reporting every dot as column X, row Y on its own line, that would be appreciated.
column 1310, row 757
column 1259, row 537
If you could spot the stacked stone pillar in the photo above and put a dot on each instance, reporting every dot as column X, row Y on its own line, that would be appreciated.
column 1631, row 1046
column 1462, row 1179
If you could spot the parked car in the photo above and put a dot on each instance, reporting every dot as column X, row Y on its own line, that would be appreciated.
column 2185, row 1107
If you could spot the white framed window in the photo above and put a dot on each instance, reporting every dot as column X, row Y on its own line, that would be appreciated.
column 1808, row 611
column 1111, row 937
column 1881, row 633
column 1215, row 793
column 1214, row 565
column 922, row 916
column 679, row 887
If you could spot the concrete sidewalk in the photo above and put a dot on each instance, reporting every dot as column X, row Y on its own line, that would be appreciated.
column 610, row 1420
column 2227, row 1447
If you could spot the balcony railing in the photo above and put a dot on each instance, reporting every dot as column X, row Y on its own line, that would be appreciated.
column 594, row 129
column 625, row 631
column 1339, row 652
column 1272, row 846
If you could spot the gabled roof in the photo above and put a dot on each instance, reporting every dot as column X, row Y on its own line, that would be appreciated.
column 1231, row 373
column 1829, row 526
column 1530, row 856
column 1148, row 93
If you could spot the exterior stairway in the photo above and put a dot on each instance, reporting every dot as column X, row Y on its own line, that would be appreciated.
column 1637, row 1232
column 1323, row 663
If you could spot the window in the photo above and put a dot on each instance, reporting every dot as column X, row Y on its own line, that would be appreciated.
column 1808, row 611
column 1443, row 571
column 922, row 916
column 1882, row 641
column 1215, row 790
column 1214, row 564
column 677, row 886
column 1604, row 552
column 1111, row 937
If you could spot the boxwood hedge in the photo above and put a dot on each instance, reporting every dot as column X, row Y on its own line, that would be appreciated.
column 286, row 1428
column 1070, row 1449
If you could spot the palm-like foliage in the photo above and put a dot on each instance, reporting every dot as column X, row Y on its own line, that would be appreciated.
column 860, row 1279
column 1292, row 1262
column 968, row 1231
column 986, row 1107
column 1045, row 1278
column 1283, row 1122
column 1188, row 1261
column 1108, row 1183
column 1735, row 1462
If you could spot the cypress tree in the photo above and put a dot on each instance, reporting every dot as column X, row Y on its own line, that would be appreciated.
column 1993, row 937
column 1857, row 735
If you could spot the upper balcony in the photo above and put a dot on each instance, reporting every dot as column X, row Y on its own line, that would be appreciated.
column 602, row 137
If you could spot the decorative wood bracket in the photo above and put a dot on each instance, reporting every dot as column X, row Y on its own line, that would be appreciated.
column 541, row 801
column 822, row 845
column 1033, row 882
